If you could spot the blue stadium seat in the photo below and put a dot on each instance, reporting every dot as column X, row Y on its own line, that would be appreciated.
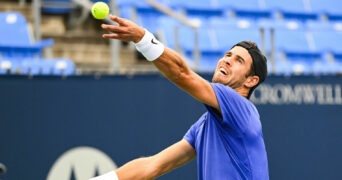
column 324, row 25
column 20, row 55
column 327, row 40
column 184, row 41
column 326, row 36
column 57, row 6
column 291, row 9
column 177, row 4
column 201, row 10
column 292, row 64
column 132, row 3
column 227, row 37
column 292, row 44
column 247, row 9
column 58, row 67
column 5, row 66
column 149, row 17
column 338, row 60
column 330, row 8
column 215, row 38
column 63, row 67
column 327, row 67
column 267, row 25
column 207, row 45
column 141, row 12
column 204, row 13
column 128, row 8
column 168, row 27
column 294, row 40
column 296, row 49
column 16, row 40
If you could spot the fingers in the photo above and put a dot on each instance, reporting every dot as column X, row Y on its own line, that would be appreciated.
column 122, row 37
column 112, row 28
column 124, row 30
column 110, row 36
column 118, row 20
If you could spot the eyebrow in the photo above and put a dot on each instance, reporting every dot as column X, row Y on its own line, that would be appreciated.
column 238, row 56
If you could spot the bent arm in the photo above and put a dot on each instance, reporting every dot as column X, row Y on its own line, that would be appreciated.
column 170, row 63
column 174, row 68
column 147, row 168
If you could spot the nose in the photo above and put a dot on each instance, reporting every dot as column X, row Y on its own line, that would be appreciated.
column 227, row 60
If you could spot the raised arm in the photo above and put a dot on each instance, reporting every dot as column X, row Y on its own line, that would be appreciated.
column 169, row 63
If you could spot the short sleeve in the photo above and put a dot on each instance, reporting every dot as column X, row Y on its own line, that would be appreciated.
column 191, row 134
column 236, row 110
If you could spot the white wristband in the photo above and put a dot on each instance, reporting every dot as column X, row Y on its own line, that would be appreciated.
column 149, row 46
column 108, row 176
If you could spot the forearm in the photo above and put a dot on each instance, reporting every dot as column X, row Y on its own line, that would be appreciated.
column 172, row 66
column 138, row 169
column 148, row 168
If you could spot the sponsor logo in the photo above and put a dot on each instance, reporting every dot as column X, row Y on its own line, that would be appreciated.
column 308, row 94
column 153, row 41
column 81, row 163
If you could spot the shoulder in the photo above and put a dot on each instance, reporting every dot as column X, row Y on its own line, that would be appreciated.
column 226, row 93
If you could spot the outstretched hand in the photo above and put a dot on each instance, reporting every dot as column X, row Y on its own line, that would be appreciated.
column 125, row 30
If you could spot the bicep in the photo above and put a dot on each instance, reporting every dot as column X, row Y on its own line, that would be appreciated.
column 174, row 68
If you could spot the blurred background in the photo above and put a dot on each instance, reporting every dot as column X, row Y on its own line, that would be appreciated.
column 74, row 105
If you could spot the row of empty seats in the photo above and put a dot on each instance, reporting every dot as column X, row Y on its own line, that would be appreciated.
column 61, row 6
column 33, row 67
column 294, row 36
column 21, row 54
column 299, row 37
column 297, row 9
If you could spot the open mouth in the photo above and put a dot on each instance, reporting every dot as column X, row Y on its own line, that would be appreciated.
column 223, row 71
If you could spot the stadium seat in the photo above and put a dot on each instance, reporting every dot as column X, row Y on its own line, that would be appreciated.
column 292, row 9
column 326, row 40
column 206, row 44
column 291, row 43
column 338, row 60
column 5, row 66
column 203, row 14
column 168, row 27
column 63, row 67
column 57, row 6
column 141, row 12
column 327, row 67
column 252, row 9
column 270, row 25
column 326, row 36
column 59, row 67
column 291, row 64
column 227, row 37
column 331, row 9
column 17, row 40
column 132, row 3
column 177, row 4
column 148, row 17
column 128, row 8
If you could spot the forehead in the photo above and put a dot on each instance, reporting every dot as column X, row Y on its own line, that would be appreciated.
column 242, row 52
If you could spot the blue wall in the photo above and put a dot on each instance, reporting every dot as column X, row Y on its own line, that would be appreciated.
column 132, row 116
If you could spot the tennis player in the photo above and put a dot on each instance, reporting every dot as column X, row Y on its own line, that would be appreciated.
column 227, row 140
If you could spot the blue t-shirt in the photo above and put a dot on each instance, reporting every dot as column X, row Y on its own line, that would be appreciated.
column 229, row 146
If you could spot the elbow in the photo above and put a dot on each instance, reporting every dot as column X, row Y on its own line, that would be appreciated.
column 182, row 76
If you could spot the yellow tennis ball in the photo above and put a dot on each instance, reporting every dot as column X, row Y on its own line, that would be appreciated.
column 100, row 10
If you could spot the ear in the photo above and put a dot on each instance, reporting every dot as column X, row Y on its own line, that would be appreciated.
column 251, row 81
